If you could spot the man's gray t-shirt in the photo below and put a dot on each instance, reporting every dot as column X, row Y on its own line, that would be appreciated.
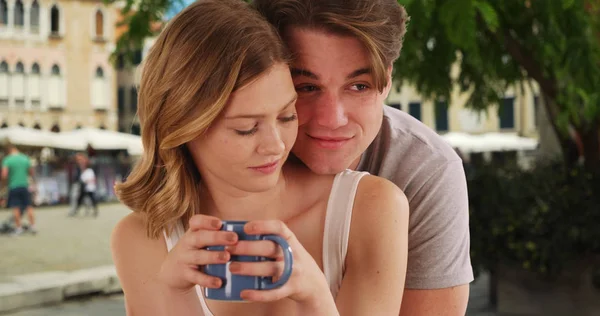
column 431, row 174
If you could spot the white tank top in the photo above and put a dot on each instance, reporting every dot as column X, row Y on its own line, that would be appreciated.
column 336, row 231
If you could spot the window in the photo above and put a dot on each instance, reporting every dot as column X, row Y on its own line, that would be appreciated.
column 54, row 20
column 19, row 14
column 441, row 116
column 3, row 13
column 99, row 24
column 55, row 128
column 37, row 126
column 102, row 126
column 21, row 124
column 18, row 85
column 397, row 106
column 34, row 17
column 4, row 88
column 33, row 85
column 78, row 126
column 55, row 70
column 55, row 88
column 506, row 113
column 121, row 100
column 4, row 125
column 134, row 100
column 99, row 90
column 137, row 57
column 414, row 109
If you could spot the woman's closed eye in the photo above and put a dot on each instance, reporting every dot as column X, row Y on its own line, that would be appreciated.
column 285, row 119
column 247, row 132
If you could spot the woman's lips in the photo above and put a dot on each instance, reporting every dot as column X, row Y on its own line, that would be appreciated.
column 267, row 168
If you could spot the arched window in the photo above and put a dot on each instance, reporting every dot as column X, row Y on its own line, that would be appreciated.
column 34, row 17
column 55, row 70
column 55, row 128
column 99, row 72
column 99, row 24
column 3, row 13
column 54, row 19
column 19, row 14
column 55, row 88
column 33, row 86
column 102, row 126
column 99, row 90
column 21, row 124
column 37, row 126
column 4, row 125
column 4, row 82
column 18, row 85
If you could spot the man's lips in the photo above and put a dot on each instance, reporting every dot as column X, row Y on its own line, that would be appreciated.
column 329, row 142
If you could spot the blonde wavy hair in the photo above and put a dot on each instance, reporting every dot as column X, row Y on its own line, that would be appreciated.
column 205, row 53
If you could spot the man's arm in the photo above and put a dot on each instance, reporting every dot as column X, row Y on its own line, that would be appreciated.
column 439, row 264
column 449, row 301
column 4, row 173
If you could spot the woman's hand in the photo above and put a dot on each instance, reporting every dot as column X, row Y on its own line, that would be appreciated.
column 307, row 284
column 180, row 271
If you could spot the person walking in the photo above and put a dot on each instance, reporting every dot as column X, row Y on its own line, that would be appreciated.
column 87, row 181
column 16, row 169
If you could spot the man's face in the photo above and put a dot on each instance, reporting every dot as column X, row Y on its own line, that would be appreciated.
column 339, row 108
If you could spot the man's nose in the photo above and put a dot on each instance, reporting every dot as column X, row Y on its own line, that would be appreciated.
column 330, row 112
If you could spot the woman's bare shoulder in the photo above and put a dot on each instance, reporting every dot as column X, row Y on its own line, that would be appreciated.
column 377, row 194
column 129, row 236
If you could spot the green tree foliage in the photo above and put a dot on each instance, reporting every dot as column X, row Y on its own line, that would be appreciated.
column 510, row 43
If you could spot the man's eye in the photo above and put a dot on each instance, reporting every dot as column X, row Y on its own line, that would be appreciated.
column 307, row 88
column 359, row 87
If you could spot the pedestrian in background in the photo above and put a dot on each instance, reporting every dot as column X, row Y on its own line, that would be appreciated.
column 16, row 170
column 87, row 181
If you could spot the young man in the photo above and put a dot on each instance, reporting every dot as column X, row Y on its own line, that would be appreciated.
column 16, row 168
column 344, row 52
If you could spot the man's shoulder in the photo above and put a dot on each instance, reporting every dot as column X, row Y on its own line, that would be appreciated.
column 405, row 149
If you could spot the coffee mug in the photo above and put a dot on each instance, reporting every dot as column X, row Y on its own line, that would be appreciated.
column 234, row 284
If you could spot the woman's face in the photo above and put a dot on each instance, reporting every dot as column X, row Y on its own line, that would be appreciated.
column 246, row 146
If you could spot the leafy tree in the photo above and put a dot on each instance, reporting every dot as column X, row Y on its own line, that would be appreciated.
column 497, row 44
column 506, row 43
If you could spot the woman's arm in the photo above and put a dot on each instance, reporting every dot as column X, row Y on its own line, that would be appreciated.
column 377, row 251
column 138, row 260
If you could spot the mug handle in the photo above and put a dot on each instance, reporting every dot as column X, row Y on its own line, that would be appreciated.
column 267, row 284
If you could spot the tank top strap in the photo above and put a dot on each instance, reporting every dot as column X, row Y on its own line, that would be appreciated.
column 337, row 226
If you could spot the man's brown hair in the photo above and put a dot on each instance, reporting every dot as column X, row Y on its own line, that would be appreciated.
column 379, row 25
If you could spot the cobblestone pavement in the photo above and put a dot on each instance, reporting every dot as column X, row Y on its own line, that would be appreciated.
column 62, row 243
column 71, row 243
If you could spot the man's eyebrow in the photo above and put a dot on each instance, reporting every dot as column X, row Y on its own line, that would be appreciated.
column 359, row 72
column 296, row 72
column 255, row 116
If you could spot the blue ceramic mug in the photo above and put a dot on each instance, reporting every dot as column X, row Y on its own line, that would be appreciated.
column 234, row 284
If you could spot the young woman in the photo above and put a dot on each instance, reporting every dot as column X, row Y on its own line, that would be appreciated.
column 218, row 119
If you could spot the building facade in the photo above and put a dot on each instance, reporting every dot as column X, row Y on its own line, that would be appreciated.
column 517, row 113
column 55, row 69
